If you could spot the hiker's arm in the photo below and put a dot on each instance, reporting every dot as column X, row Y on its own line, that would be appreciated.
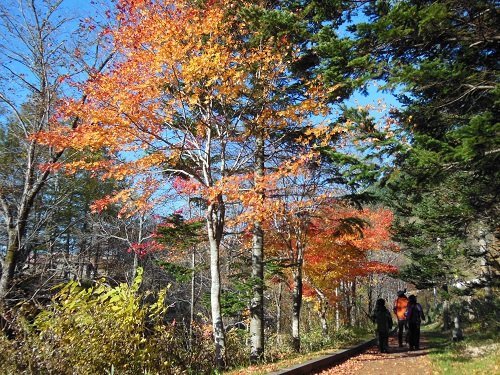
column 422, row 313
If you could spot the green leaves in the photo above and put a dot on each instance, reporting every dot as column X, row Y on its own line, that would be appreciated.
column 102, row 326
column 180, row 273
column 175, row 231
column 434, row 55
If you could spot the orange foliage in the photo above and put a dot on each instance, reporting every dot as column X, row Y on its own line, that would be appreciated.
column 182, row 91
column 335, row 253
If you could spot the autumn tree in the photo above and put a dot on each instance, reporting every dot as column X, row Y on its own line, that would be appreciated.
column 180, row 104
column 293, row 202
column 342, row 240
column 298, row 191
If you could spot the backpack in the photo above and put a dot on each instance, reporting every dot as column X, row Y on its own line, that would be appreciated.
column 415, row 312
column 400, row 306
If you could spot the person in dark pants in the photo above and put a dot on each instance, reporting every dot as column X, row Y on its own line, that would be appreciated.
column 400, row 306
column 414, row 317
column 382, row 317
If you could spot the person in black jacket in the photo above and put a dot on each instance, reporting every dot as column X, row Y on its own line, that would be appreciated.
column 414, row 316
column 382, row 317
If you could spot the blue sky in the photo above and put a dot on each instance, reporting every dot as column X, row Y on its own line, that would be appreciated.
column 79, row 10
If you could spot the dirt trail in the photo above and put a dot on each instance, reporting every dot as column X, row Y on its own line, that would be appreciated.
column 398, row 361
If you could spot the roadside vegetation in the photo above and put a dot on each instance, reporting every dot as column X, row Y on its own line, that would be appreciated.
column 478, row 353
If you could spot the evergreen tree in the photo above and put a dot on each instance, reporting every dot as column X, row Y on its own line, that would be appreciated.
column 440, row 58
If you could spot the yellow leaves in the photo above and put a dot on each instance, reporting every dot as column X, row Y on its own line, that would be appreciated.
column 182, row 74
column 101, row 204
column 154, row 159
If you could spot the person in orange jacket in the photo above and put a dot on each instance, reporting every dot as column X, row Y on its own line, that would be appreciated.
column 400, row 306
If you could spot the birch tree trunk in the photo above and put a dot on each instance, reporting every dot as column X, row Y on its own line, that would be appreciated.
column 347, row 303
column 278, row 312
column 191, row 307
column 446, row 310
column 354, row 311
column 257, row 303
column 214, row 228
column 323, row 308
column 296, row 306
column 337, row 309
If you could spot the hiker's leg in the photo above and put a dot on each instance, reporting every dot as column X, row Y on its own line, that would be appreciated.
column 417, row 336
column 383, row 341
column 413, row 335
column 401, row 326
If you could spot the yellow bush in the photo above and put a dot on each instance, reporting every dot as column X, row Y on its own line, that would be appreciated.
column 88, row 330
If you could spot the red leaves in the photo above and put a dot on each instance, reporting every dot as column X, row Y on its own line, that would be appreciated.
column 100, row 204
column 50, row 167
column 186, row 186
column 337, row 253
column 145, row 248
column 379, row 267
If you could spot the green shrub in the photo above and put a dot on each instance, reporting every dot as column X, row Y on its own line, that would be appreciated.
column 314, row 341
column 94, row 328
column 103, row 329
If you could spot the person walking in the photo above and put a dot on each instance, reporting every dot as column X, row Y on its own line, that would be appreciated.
column 414, row 317
column 400, row 306
column 382, row 317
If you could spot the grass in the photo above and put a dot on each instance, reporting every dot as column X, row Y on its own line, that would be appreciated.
column 478, row 353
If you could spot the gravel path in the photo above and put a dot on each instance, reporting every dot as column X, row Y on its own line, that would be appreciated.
column 399, row 361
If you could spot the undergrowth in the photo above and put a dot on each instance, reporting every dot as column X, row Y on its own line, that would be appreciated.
column 477, row 353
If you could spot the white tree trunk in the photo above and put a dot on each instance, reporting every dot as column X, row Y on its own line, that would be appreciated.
column 296, row 306
column 257, row 303
column 337, row 309
column 215, row 287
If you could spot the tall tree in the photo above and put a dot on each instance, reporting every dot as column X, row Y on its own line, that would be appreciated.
column 440, row 58
column 180, row 105
column 296, row 199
